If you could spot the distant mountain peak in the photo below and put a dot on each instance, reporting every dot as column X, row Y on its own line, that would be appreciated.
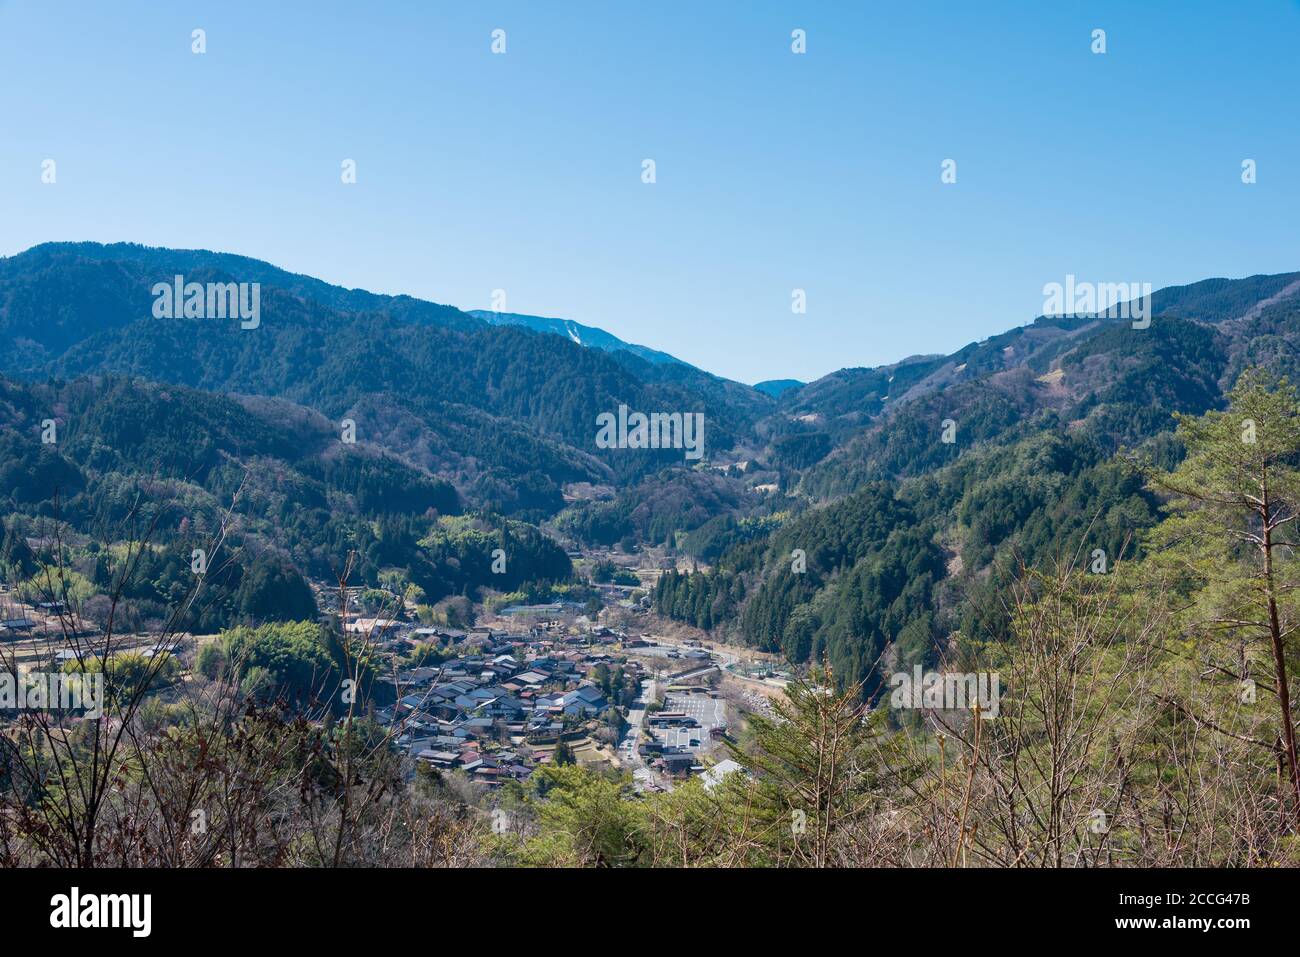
column 589, row 337
column 778, row 387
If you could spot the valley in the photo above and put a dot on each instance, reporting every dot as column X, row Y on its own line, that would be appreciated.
column 453, row 531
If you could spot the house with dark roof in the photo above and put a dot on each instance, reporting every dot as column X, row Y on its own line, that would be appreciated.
column 581, row 702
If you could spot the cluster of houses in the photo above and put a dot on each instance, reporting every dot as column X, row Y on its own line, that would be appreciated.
column 502, row 703
column 18, row 621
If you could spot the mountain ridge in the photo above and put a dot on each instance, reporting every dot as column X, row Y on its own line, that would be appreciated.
column 1211, row 300
column 911, row 482
column 589, row 336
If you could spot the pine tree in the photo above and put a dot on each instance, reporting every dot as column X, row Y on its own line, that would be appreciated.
column 563, row 754
column 817, row 766
column 1236, row 498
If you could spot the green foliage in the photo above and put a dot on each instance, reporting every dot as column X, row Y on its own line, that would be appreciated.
column 31, row 472
column 289, row 661
column 128, row 674
column 616, row 685
column 1226, row 551
column 1219, row 487
column 585, row 820
column 383, row 485
column 457, row 557
column 801, row 450
column 241, row 588
column 698, row 599
column 563, row 754
column 608, row 572
column 816, row 767
column 211, row 661
column 656, row 510
column 725, row 533
column 845, row 580
column 17, row 560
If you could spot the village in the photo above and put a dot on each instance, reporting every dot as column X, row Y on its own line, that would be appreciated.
column 500, row 703
column 534, row 685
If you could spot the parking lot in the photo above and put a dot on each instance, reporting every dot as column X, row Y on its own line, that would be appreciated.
column 708, row 712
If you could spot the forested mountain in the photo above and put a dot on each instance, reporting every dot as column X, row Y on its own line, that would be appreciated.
column 268, row 482
column 1010, row 452
column 508, row 416
column 909, row 490
column 57, row 294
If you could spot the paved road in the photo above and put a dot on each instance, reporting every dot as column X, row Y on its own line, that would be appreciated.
column 632, row 737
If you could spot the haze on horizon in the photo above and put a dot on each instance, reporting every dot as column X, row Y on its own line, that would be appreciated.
column 775, row 171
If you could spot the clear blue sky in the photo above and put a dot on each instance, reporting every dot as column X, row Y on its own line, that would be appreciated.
column 775, row 171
